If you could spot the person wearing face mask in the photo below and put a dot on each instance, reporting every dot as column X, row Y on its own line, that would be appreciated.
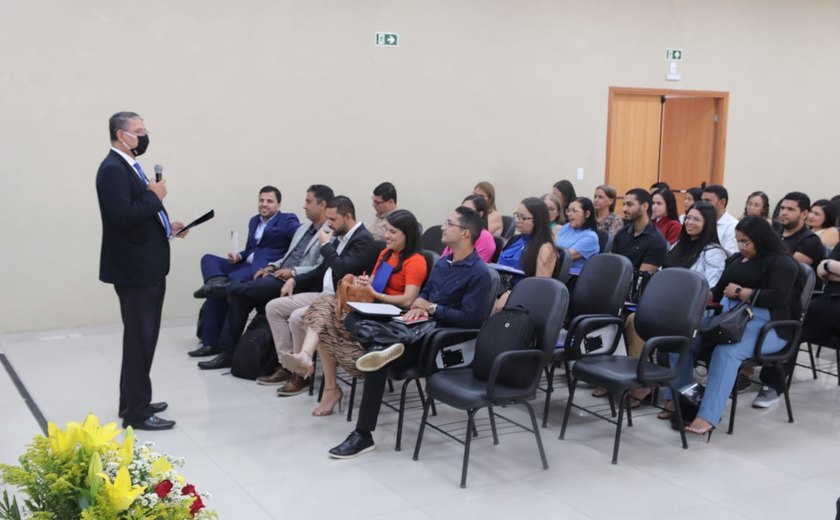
column 135, row 259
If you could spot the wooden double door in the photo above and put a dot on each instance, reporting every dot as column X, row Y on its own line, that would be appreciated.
column 673, row 136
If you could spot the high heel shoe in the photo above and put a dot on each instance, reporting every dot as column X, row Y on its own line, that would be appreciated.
column 322, row 410
column 698, row 430
column 298, row 364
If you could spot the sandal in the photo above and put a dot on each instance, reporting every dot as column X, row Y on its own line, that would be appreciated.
column 701, row 430
column 636, row 402
column 667, row 412
column 600, row 392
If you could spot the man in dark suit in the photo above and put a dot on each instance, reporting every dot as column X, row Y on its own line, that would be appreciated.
column 135, row 259
column 269, row 234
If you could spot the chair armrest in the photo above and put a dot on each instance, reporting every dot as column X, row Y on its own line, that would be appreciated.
column 788, row 349
column 678, row 344
column 439, row 339
column 583, row 325
column 537, row 355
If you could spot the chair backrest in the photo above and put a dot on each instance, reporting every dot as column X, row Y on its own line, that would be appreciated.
column 564, row 265
column 495, row 285
column 603, row 240
column 431, row 258
column 508, row 227
column 809, row 281
column 430, row 239
column 672, row 304
column 547, row 301
column 500, row 243
column 602, row 285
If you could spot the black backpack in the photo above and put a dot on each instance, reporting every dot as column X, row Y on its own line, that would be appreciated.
column 254, row 355
column 509, row 329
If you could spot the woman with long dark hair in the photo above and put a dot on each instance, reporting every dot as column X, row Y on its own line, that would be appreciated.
column 556, row 216
column 763, row 264
column 578, row 237
column 531, row 249
column 325, row 328
column 821, row 220
column 690, row 197
column 485, row 246
column 565, row 191
column 664, row 209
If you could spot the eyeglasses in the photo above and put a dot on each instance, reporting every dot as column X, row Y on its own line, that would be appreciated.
column 448, row 223
column 692, row 218
column 378, row 202
column 744, row 242
column 520, row 217
column 571, row 211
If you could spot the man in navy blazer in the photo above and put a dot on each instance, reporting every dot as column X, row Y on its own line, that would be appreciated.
column 135, row 259
column 269, row 235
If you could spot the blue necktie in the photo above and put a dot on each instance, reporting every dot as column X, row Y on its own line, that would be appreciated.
column 161, row 214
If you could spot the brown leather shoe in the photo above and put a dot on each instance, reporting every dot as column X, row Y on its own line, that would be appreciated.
column 280, row 376
column 296, row 385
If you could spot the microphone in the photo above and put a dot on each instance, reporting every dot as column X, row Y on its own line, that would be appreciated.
column 158, row 172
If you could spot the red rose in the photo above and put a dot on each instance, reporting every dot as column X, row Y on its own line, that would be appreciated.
column 163, row 488
column 196, row 506
column 189, row 489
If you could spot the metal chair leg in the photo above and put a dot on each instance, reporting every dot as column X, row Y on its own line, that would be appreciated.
column 622, row 400
column 549, row 374
column 468, row 438
column 612, row 404
column 401, row 414
column 537, row 434
column 813, row 362
column 422, row 428
column 680, row 422
column 567, row 412
column 734, row 407
column 493, row 425
column 781, row 372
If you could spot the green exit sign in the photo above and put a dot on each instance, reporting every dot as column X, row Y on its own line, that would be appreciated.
column 673, row 54
column 387, row 39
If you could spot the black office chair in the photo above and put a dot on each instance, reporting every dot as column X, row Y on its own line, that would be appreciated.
column 604, row 240
column 777, row 360
column 437, row 341
column 564, row 267
column 546, row 300
column 832, row 342
column 596, row 303
column 500, row 243
column 667, row 320
column 508, row 227
column 430, row 239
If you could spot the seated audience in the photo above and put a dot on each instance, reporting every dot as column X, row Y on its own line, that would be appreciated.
column 656, row 187
column 565, row 192
column 269, row 234
column 762, row 262
column 718, row 196
column 835, row 201
column 455, row 295
column 604, row 203
column 228, row 318
column 384, row 201
column 485, row 246
column 821, row 322
column 578, row 237
column 697, row 249
column 531, row 249
column 805, row 247
column 690, row 197
column 555, row 212
column 758, row 205
column 664, row 209
column 494, row 219
column 639, row 240
column 822, row 221
column 399, row 273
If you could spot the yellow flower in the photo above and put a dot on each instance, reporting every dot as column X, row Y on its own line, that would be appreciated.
column 121, row 493
column 127, row 448
column 63, row 441
column 160, row 466
column 95, row 437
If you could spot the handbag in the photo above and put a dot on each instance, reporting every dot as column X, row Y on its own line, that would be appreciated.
column 728, row 327
column 688, row 399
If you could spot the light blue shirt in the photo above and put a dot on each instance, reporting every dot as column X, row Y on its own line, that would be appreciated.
column 584, row 241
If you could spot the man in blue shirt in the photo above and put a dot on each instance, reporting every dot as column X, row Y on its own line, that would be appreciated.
column 455, row 295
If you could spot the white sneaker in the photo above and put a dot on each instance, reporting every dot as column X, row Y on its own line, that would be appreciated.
column 766, row 398
column 378, row 357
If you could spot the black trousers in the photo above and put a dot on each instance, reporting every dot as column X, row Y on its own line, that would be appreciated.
column 141, row 309
column 245, row 297
column 375, row 388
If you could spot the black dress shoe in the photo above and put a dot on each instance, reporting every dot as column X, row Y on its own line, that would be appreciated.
column 204, row 351
column 154, row 407
column 220, row 361
column 357, row 443
column 152, row 423
column 215, row 287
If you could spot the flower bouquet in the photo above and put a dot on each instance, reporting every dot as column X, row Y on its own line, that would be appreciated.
column 83, row 472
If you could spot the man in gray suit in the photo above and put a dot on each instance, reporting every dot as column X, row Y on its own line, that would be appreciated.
column 302, row 256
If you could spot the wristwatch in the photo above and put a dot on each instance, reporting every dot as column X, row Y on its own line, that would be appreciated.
column 738, row 291
column 432, row 309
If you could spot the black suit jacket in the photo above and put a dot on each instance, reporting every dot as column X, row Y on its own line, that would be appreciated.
column 135, row 248
column 359, row 255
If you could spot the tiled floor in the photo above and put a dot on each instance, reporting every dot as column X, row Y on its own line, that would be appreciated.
column 265, row 457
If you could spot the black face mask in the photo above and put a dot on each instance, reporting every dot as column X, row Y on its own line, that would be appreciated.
column 142, row 144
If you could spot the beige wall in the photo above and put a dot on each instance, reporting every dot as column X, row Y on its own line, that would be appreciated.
column 241, row 94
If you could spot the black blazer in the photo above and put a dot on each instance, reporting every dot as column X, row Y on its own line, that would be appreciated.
column 358, row 255
column 135, row 248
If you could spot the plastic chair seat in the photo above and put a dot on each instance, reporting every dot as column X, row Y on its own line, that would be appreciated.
column 458, row 388
column 618, row 373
